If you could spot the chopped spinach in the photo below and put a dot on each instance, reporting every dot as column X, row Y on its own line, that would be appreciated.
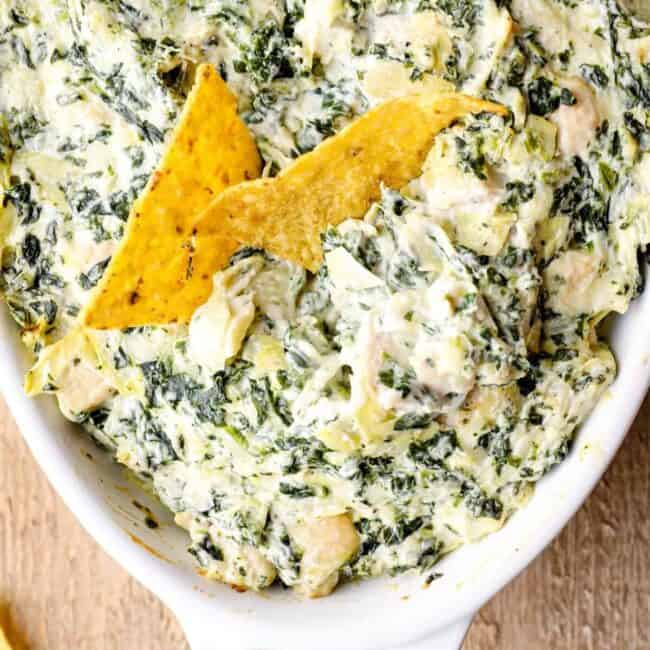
column 433, row 451
column 545, row 97
column 92, row 277
column 517, row 192
column 413, row 421
column 580, row 199
column 296, row 491
column 595, row 75
column 31, row 249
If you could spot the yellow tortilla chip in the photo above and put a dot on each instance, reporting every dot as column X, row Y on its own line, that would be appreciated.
column 336, row 181
column 4, row 643
column 153, row 282
column 150, row 278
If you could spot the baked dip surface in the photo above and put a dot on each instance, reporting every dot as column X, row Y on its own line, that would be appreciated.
column 403, row 400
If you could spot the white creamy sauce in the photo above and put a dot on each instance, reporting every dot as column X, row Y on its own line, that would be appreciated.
column 404, row 400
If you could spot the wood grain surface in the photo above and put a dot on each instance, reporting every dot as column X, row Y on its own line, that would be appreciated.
column 590, row 590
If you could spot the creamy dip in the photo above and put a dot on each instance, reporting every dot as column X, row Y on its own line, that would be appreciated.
column 404, row 400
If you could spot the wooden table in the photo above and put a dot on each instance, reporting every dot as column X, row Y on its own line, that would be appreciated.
column 590, row 590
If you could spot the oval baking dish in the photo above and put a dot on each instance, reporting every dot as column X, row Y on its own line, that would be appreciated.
column 385, row 613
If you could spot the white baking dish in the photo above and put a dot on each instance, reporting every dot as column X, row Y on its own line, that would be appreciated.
column 387, row 613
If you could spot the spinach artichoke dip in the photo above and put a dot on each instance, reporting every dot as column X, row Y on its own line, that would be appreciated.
column 369, row 418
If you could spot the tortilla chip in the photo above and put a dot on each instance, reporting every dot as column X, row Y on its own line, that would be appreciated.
column 338, row 180
column 4, row 643
column 150, row 279
column 162, row 277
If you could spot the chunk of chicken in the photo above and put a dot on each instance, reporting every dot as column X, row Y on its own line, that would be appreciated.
column 326, row 544
column 466, row 204
column 578, row 282
column 576, row 124
column 71, row 368
column 81, row 389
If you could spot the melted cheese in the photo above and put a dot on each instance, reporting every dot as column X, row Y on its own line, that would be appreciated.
column 403, row 401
